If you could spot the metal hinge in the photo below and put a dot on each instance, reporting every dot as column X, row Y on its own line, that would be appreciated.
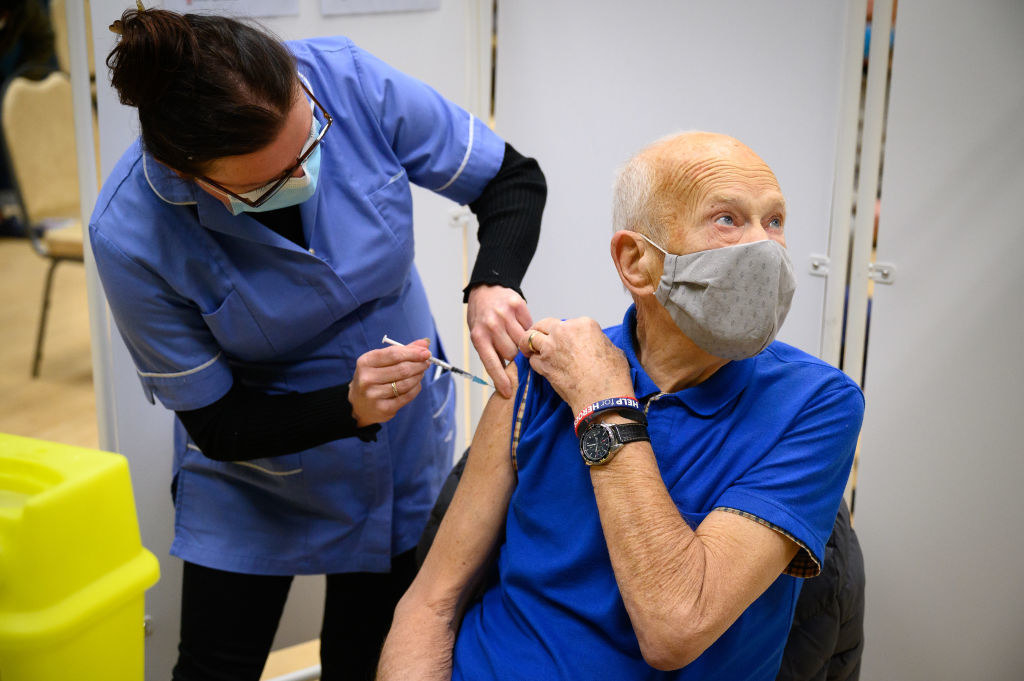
column 819, row 265
column 882, row 272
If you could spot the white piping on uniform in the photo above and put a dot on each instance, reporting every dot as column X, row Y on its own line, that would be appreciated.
column 267, row 470
column 444, row 403
column 252, row 465
column 465, row 159
column 178, row 374
column 145, row 171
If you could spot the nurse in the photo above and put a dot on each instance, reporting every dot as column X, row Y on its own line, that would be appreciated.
column 255, row 244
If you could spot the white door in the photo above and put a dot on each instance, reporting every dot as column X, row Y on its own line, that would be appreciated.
column 939, row 500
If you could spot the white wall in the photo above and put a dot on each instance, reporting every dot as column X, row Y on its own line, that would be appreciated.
column 440, row 47
column 584, row 84
column 939, row 498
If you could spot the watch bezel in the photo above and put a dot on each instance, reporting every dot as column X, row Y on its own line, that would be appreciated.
column 608, row 441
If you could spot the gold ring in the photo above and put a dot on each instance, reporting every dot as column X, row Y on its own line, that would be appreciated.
column 529, row 341
column 394, row 388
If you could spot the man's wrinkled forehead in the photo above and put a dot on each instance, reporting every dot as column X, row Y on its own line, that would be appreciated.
column 694, row 168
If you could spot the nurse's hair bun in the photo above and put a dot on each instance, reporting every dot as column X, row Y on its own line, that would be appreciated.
column 156, row 46
column 206, row 86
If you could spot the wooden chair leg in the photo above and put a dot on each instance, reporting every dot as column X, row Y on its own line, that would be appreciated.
column 38, row 358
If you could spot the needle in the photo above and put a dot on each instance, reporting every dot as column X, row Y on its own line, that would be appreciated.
column 441, row 363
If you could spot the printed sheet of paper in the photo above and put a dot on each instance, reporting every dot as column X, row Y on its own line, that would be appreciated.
column 236, row 8
column 329, row 7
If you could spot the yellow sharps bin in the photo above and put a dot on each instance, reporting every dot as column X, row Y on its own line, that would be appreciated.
column 73, row 572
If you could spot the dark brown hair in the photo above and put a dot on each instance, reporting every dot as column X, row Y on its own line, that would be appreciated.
column 205, row 86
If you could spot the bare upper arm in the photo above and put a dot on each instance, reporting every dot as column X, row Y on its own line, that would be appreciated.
column 475, row 518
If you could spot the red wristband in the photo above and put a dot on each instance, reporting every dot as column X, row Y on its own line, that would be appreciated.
column 622, row 402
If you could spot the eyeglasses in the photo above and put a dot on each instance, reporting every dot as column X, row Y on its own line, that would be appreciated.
column 274, row 185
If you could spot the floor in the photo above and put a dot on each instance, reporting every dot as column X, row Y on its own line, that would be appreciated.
column 59, row 405
column 292, row 659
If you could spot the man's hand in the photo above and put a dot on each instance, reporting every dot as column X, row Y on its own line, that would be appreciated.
column 578, row 360
column 386, row 380
column 497, row 318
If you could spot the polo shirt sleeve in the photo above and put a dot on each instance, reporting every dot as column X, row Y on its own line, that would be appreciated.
column 796, row 487
column 176, row 357
column 442, row 146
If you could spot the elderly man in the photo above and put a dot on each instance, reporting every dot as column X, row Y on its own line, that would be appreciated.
column 713, row 459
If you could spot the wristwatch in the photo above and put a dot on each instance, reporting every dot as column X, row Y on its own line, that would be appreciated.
column 600, row 441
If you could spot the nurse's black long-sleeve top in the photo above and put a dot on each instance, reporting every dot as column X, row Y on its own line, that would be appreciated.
column 247, row 424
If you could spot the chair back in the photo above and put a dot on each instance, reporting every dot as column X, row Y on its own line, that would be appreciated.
column 39, row 134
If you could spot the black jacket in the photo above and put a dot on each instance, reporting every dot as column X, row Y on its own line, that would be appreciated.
column 827, row 637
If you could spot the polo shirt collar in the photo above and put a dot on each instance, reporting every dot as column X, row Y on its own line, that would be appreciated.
column 706, row 398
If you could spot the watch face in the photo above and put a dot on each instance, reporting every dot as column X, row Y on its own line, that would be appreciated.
column 595, row 444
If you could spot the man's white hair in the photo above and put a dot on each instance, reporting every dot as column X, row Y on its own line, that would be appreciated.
column 634, row 201
column 632, row 204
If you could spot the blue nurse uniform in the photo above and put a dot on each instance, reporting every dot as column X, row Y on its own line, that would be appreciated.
column 203, row 298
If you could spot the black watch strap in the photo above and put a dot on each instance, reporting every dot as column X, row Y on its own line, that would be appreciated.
column 630, row 432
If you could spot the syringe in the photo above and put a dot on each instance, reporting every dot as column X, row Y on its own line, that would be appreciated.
column 441, row 363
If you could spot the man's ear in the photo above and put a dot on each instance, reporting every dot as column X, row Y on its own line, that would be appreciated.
column 638, row 263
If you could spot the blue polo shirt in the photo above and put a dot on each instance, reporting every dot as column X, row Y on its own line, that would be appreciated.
column 203, row 298
column 771, row 437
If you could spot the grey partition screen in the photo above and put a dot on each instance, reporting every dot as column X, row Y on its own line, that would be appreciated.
column 581, row 85
column 939, row 487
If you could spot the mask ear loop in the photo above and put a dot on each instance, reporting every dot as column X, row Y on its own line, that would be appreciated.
column 644, row 237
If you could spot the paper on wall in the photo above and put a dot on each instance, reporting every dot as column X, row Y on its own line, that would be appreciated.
column 238, row 8
column 329, row 7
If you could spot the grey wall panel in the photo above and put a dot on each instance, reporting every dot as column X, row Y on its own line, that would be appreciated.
column 583, row 85
column 938, row 495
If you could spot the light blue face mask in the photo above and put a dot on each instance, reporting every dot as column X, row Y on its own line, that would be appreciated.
column 295, row 190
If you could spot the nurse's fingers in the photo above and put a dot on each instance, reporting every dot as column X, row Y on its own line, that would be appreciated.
column 391, row 390
column 416, row 351
column 390, row 405
column 385, row 380
column 376, row 403
column 497, row 317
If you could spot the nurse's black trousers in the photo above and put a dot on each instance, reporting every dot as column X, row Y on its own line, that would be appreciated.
column 228, row 621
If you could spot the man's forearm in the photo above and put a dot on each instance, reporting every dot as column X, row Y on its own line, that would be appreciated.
column 420, row 644
column 682, row 588
column 658, row 561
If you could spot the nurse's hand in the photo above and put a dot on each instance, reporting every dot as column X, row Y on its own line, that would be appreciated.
column 386, row 380
column 497, row 318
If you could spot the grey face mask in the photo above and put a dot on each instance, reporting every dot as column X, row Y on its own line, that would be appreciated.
column 730, row 301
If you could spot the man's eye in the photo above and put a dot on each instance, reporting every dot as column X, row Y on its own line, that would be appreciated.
column 776, row 224
column 725, row 220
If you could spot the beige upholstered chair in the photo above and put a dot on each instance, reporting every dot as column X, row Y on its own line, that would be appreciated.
column 39, row 136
